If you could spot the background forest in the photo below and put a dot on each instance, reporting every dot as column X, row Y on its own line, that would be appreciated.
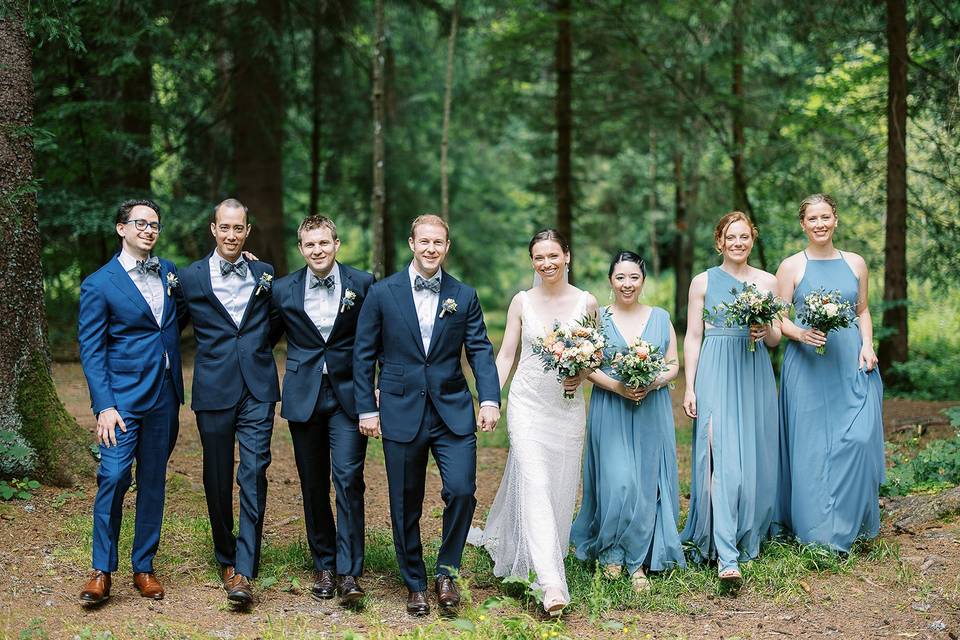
column 629, row 124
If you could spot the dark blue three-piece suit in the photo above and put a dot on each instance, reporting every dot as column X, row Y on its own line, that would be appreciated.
column 425, row 405
column 323, row 418
column 132, row 363
column 235, row 391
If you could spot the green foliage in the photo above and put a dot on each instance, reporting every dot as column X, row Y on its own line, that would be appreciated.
column 931, row 470
column 18, row 489
column 14, row 453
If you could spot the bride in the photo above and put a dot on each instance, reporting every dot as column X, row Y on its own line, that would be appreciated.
column 528, row 528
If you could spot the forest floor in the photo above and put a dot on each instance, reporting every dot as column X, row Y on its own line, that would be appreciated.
column 905, row 586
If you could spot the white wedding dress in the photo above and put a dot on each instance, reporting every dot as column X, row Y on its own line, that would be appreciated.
column 528, row 528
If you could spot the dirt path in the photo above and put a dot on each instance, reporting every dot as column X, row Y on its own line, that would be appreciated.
column 44, row 558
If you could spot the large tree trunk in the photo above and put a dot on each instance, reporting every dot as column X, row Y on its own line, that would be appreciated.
column 317, row 76
column 654, row 252
column 741, row 197
column 682, row 249
column 564, row 115
column 893, row 347
column 258, row 115
column 447, row 101
column 31, row 414
column 379, row 194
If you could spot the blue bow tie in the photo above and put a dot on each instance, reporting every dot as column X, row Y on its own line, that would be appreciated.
column 240, row 268
column 150, row 265
column 328, row 282
column 420, row 283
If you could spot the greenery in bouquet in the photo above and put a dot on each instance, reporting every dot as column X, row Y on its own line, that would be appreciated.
column 750, row 306
column 639, row 365
column 825, row 311
column 568, row 350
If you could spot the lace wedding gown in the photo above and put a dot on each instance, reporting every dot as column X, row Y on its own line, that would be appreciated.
column 528, row 528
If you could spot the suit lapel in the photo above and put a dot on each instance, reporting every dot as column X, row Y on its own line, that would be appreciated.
column 256, row 270
column 298, row 282
column 448, row 287
column 167, row 306
column 346, row 283
column 123, row 282
column 403, row 293
column 203, row 275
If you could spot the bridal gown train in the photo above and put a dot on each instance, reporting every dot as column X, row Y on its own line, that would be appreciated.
column 528, row 528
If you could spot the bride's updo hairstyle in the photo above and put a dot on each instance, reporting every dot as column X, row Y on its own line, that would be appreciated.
column 627, row 256
column 548, row 235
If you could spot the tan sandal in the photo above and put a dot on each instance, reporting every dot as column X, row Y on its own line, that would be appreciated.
column 639, row 581
column 612, row 571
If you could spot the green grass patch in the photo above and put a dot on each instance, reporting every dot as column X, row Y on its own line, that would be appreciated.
column 928, row 470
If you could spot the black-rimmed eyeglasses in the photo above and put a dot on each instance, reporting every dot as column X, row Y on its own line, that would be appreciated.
column 143, row 225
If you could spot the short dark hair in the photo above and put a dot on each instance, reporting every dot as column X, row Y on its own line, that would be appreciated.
column 232, row 203
column 123, row 211
column 552, row 235
column 627, row 256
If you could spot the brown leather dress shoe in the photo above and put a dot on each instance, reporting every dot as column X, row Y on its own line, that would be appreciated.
column 448, row 597
column 350, row 590
column 228, row 575
column 417, row 604
column 323, row 587
column 148, row 585
column 97, row 589
column 240, row 590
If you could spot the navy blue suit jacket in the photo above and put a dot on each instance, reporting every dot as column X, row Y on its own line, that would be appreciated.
column 121, row 344
column 388, row 324
column 307, row 351
column 229, row 356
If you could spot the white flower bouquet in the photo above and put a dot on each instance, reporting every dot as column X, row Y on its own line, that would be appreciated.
column 639, row 365
column 570, row 350
column 825, row 310
column 751, row 306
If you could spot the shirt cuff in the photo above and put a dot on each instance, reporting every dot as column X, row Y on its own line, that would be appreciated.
column 107, row 409
column 370, row 414
column 489, row 403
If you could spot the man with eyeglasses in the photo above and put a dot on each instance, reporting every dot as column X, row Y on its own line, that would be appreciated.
column 130, row 352
column 235, row 390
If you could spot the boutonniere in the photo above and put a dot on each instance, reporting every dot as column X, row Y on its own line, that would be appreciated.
column 264, row 284
column 173, row 282
column 449, row 306
column 349, row 299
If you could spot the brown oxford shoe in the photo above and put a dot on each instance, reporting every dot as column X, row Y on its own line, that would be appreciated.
column 350, row 590
column 148, row 585
column 323, row 587
column 417, row 604
column 97, row 589
column 240, row 591
column 448, row 597
column 228, row 575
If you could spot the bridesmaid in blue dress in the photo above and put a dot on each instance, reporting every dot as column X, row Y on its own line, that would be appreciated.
column 631, row 492
column 831, row 405
column 732, row 397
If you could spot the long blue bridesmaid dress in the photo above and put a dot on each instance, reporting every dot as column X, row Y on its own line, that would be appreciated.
column 832, row 427
column 630, row 487
column 736, row 441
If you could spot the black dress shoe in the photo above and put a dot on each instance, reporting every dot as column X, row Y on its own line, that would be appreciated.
column 350, row 590
column 448, row 597
column 323, row 587
column 417, row 604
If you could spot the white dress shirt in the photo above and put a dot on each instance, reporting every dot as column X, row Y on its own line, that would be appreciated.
column 231, row 290
column 321, row 304
column 149, row 285
column 426, row 302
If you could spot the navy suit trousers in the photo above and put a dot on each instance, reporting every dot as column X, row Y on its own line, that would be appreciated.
column 250, row 425
column 331, row 440
column 406, row 462
column 149, row 439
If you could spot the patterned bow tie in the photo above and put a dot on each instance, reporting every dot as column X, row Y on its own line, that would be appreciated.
column 329, row 282
column 420, row 283
column 150, row 265
column 240, row 268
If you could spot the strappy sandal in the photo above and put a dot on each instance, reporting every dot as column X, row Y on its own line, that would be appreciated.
column 639, row 581
column 612, row 571
column 731, row 575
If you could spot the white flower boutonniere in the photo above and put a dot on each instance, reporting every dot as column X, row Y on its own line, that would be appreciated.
column 449, row 306
column 173, row 282
column 349, row 299
column 264, row 284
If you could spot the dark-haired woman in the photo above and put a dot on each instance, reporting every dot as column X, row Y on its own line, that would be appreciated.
column 631, row 502
column 732, row 397
column 830, row 405
column 528, row 528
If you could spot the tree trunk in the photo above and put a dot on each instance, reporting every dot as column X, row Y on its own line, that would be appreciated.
column 378, row 197
column 39, row 437
column 447, row 100
column 682, row 249
column 893, row 347
column 258, row 115
column 564, row 115
column 741, row 197
column 654, row 252
column 316, row 69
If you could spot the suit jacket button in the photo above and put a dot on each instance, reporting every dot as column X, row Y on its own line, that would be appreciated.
column 423, row 393
column 428, row 365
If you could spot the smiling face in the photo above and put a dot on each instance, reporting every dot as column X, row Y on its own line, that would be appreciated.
column 819, row 222
column 736, row 242
column 230, row 230
column 134, row 241
column 319, row 249
column 430, row 245
column 627, row 281
column 549, row 260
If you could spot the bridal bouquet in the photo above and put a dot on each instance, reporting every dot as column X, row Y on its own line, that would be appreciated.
column 570, row 350
column 826, row 311
column 639, row 365
column 751, row 306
